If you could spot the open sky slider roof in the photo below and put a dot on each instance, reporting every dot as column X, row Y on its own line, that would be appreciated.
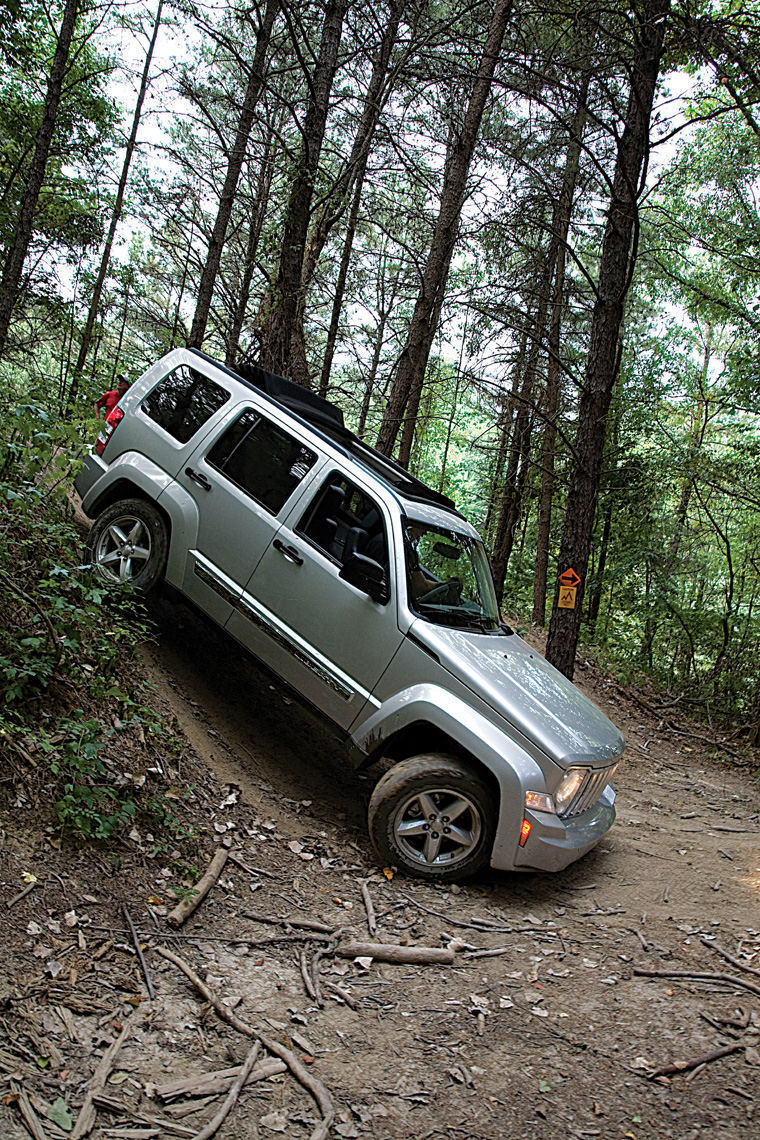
column 327, row 420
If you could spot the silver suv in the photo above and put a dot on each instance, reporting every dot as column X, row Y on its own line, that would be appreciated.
column 370, row 595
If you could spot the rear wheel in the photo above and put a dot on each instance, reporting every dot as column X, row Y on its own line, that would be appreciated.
column 128, row 544
column 433, row 817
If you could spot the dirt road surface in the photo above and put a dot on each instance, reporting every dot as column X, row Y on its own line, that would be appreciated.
column 543, row 1025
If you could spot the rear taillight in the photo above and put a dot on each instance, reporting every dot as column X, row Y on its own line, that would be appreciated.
column 112, row 421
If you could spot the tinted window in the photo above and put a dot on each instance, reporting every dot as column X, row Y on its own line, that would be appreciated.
column 342, row 520
column 261, row 459
column 183, row 401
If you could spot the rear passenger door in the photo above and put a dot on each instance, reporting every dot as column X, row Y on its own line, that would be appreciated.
column 243, row 481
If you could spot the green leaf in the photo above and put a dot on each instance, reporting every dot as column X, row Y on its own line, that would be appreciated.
column 59, row 1113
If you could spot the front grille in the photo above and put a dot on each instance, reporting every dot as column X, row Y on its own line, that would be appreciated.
column 592, row 788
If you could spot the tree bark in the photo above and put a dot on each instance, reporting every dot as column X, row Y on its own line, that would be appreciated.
column 97, row 290
column 232, row 177
column 615, row 271
column 254, row 235
column 560, row 231
column 14, row 264
column 410, row 371
column 278, row 324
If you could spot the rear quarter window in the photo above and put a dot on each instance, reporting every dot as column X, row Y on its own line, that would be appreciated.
column 183, row 401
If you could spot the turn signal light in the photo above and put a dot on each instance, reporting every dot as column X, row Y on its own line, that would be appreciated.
column 525, row 829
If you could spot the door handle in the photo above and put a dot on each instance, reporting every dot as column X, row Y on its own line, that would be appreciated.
column 196, row 477
column 288, row 552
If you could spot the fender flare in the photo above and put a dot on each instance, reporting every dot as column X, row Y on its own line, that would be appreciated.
column 511, row 766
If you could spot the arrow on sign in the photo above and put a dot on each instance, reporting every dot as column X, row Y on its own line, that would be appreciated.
column 569, row 578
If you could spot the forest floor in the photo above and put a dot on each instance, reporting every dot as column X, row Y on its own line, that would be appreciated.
column 553, row 1033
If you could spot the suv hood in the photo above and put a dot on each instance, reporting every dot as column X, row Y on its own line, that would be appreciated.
column 517, row 682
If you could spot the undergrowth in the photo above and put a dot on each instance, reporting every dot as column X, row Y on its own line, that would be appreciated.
column 75, row 726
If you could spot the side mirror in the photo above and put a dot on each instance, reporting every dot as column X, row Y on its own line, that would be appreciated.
column 367, row 575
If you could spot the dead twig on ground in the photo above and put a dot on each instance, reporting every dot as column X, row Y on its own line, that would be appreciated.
column 21, row 895
column 235, row 858
column 140, row 955
column 388, row 952
column 371, row 918
column 343, row 994
column 111, row 1104
column 303, row 963
column 696, row 1062
column 217, row 1120
column 299, row 1071
column 30, row 1118
column 692, row 975
column 184, row 909
column 211, row 1084
column 296, row 923
column 86, row 1118
column 730, row 958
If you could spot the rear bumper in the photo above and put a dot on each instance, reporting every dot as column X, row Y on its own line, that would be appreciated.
column 554, row 843
column 87, row 476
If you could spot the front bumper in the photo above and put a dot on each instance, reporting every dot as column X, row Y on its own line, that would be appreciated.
column 87, row 476
column 555, row 842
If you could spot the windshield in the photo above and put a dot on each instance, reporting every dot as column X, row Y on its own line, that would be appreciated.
column 449, row 578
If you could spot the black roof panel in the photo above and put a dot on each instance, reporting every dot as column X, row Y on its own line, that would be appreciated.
column 327, row 420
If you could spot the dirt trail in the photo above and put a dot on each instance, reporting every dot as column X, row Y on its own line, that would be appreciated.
column 551, row 1035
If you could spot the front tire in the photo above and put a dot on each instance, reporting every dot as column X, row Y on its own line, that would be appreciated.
column 128, row 544
column 433, row 817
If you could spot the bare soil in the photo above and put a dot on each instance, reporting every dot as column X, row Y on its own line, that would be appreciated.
column 551, row 1034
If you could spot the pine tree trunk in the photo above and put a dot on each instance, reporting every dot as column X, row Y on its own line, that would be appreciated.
column 519, row 455
column 232, row 177
column 615, row 270
column 278, row 325
column 254, row 235
column 560, row 231
column 404, row 401
column 14, row 263
column 97, row 290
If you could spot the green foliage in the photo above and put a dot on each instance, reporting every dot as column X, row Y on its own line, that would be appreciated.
column 66, row 698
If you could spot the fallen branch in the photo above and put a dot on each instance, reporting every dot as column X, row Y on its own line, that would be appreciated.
column 216, row 1121
column 212, row 1084
column 86, row 1118
column 730, row 958
column 30, row 1118
column 371, row 919
column 296, row 923
column 388, row 952
column 705, row 1059
column 306, row 975
column 689, row 975
column 21, row 895
column 113, row 1105
column 184, row 909
column 299, row 1071
column 343, row 994
column 235, row 858
column 140, row 955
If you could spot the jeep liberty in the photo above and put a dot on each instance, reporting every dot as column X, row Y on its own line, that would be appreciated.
column 370, row 595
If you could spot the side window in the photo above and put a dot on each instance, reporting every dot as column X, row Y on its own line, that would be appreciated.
column 183, row 401
column 261, row 459
column 342, row 520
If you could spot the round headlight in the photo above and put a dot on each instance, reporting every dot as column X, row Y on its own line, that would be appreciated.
column 569, row 787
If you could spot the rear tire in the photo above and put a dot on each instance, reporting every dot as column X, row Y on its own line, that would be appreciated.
column 128, row 544
column 433, row 817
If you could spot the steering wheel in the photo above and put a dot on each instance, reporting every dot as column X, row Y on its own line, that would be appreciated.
column 447, row 593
